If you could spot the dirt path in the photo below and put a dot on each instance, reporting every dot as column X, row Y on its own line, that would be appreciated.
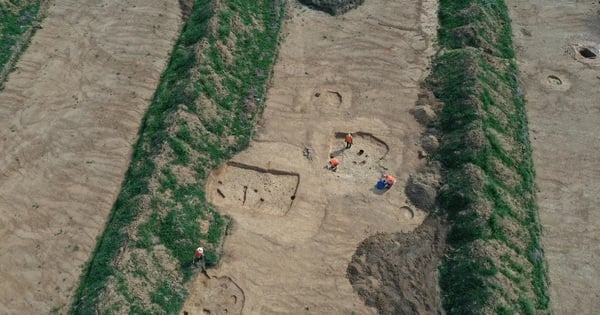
column 297, row 225
column 564, row 113
column 68, row 119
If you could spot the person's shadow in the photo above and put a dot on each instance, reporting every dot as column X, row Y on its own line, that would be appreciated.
column 378, row 191
column 338, row 152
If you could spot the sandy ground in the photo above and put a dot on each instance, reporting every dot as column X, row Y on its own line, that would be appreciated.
column 296, row 224
column 564, row 115
column 68, row 118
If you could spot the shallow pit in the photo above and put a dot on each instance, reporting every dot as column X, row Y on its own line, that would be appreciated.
column 586, row 52
column 364, row 159
column 407, row 212
column 554, row 80
column 250, row 187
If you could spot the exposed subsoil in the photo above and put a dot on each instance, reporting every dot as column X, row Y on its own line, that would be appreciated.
column 552, row 40
column 297, row 225
column 397, row 273
column 69, row 116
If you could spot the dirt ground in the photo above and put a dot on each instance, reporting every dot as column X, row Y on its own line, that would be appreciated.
column 70, row 113
column 562, row 91
column 69, row 116
column 395, row 271
column 296, row 225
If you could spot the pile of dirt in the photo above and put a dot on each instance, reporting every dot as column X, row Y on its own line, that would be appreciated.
column 398, row 272
column 421, row 189
column 334, row 7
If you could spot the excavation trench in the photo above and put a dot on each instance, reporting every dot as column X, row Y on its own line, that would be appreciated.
column 325, row 83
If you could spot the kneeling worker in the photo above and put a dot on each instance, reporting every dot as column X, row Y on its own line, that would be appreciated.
column 389, row 181
column 333, row 163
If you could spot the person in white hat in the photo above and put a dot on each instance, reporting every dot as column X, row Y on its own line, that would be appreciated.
column 348, row 139
column 199, row 257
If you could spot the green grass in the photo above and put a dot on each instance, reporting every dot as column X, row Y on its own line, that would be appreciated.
column 176, row 208
column 476, row 23
column 14, row 24
column 473, row 89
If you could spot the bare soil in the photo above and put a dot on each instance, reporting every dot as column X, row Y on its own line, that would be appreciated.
column 297, row 225
column 397, row 272
column 70, row 113
column 561, row 87
column 69, row 117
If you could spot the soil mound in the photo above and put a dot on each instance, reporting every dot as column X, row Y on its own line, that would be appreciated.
column 421, row 190
column 397, row 273
column 333, row 7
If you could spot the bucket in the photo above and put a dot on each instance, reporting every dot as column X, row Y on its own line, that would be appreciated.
column 380, row 184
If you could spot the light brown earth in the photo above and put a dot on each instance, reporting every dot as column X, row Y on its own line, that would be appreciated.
column 562, row 89
column 70, row 113
column 69, row 116
column 297, row 225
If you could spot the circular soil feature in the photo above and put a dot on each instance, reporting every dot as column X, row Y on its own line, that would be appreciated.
column 407, row 212
column 587, row 53
column 554, row 80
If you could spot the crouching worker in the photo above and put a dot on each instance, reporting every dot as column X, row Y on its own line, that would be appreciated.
column 199, row 258
column 389, row 181
column 333, row 163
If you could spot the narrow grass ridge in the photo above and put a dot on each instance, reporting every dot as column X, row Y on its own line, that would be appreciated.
column 17, row 24
column 202, row 113
column 495, row 264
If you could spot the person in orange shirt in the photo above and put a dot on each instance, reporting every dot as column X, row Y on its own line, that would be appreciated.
column 389, row 181
column 348, row 139
column 333, row 163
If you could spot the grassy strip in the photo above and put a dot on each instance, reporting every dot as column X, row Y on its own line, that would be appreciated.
column 17, row 19
column 495, row 263
column 202, row 113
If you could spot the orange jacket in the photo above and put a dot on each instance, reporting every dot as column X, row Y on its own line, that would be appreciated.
column 334, row 162
column 390, row 179
column 348, row 138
